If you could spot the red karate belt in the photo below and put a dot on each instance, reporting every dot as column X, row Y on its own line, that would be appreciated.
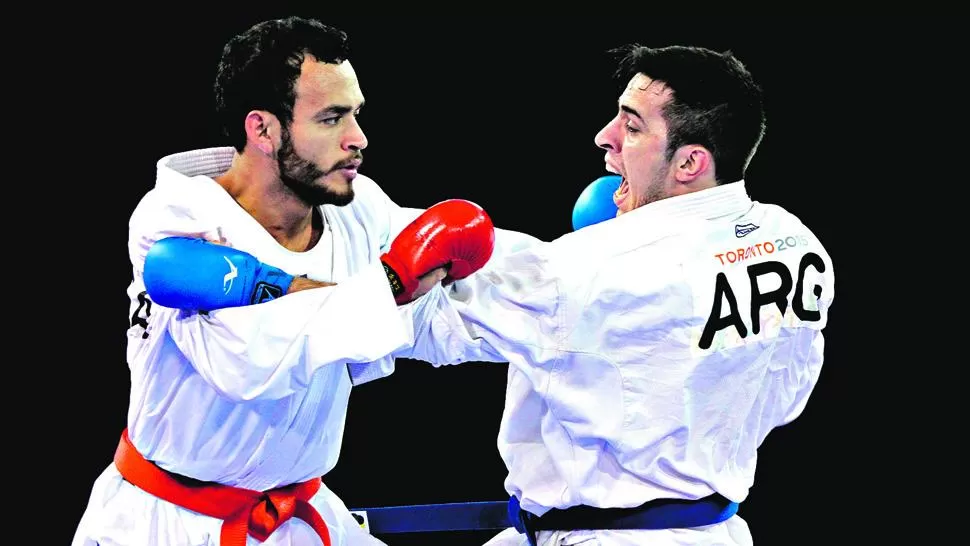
column 243, row 511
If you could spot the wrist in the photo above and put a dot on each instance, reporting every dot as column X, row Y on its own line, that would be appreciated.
column 302, row 283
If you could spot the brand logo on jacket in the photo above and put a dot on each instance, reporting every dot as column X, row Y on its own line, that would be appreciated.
column 743, row 229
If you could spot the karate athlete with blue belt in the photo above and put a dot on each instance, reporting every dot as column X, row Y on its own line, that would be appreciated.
column 650, row 354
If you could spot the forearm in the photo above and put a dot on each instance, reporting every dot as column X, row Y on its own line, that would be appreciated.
column 271, row 350
column 485, row 317
column 508, row 242
column 441, row 335
column 497, row 315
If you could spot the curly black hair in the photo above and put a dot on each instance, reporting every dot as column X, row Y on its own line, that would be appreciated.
column 259, row 68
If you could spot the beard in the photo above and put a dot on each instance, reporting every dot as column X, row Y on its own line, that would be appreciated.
column 301, row 176
column 656, row 189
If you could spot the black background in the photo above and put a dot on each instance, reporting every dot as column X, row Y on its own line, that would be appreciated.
column 503, row 112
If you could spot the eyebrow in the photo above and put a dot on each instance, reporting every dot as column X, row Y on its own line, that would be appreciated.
column 631, row 111
column 338, row 109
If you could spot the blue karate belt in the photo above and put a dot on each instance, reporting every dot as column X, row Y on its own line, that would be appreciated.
column 486, row 515
column 656, row 514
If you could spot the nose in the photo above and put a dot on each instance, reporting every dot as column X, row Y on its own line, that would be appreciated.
column 606, row 137
column 355, row 139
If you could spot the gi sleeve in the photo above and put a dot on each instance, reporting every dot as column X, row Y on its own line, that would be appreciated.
column 510, row 311
column 270, row 350
column 452, row 318
column 398, row 217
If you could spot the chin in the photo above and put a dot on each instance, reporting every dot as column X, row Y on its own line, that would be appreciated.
column 342, row 197
column 342, row 186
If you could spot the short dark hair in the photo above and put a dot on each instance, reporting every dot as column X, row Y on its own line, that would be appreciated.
column 259, row 68
column 716, row 102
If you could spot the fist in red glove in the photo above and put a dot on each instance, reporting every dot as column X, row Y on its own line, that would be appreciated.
column 455, row 234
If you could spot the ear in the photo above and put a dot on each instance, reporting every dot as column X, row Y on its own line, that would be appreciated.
column 692, row 162
column 262, row 130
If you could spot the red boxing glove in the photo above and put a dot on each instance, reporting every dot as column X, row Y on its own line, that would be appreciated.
column 456, row 234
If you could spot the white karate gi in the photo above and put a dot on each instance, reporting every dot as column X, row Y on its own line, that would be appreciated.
column 638, row 370
column 253, row 397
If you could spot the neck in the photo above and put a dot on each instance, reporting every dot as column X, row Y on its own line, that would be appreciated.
column 697, row 184
column 255, row 184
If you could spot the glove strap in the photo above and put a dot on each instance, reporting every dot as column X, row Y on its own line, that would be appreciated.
column 271, row 283
column 397, row 286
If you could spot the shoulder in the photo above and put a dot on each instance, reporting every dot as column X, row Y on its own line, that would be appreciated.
column 161, row 206
column 778, row 215
column 191, row 209
column 790, row 230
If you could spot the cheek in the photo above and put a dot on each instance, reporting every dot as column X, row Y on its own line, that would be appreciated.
column 310, row 145
column 637, row 162
column 645, row 158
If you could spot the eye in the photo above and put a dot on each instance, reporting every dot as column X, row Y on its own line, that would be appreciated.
column 630, row 128
column 331, row 121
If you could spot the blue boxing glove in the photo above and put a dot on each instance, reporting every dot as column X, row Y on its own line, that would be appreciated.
column 595, row 203
column 194, row 274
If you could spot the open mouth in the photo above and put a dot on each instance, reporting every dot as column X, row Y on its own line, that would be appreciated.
column 621, row 193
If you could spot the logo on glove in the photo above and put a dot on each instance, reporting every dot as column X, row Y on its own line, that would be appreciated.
column 397, row 287
column 233, row 273
column 266, row 292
